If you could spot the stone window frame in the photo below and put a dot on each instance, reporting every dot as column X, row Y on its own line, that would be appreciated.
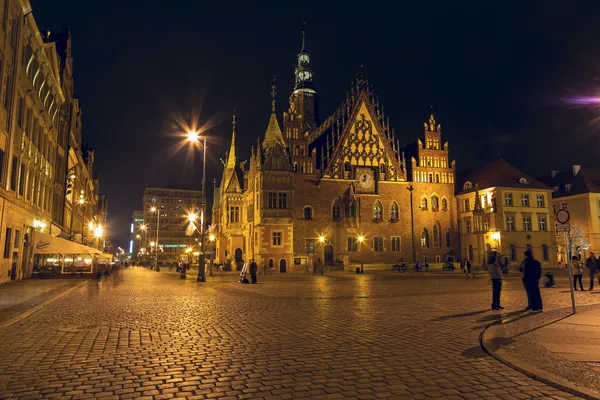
column 392, row 245
column 273, row 238
column 312, row 213
column 382, row 240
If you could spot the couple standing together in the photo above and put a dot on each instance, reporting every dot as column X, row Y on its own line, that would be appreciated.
column 532, row 273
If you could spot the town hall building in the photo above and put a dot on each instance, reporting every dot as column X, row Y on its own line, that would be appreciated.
column 340, row 190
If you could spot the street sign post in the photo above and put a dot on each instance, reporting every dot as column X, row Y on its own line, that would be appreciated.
column 563, row 227
column 563, row 217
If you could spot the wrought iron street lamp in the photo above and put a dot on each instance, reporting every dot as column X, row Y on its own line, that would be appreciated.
column 194, row 137
column 156, row 208
column 361, row 239
column 322, row 242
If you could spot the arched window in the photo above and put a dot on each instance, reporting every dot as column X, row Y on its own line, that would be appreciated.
column 436, row 236
column 308, row 214
column 394, row 211
column 470, row 252
column 378, row 211
column 468, row 185
column 424, row 238
column 444, row 204
column 335, row 211
column 448, row 239
column 430, row 178
column 353, row 209
column 435, row 202
column 513, row 252
column 545, row 256
column 424, row 203
column 346, row 166
column 437, row 178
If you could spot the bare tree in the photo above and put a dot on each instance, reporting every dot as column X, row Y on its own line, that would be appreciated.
column 578, row 242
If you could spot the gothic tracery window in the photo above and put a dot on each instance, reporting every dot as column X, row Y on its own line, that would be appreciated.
column 378, row 211
column 424, row 238
column 394, row 211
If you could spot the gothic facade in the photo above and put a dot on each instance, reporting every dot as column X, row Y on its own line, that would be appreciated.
column 342, row 190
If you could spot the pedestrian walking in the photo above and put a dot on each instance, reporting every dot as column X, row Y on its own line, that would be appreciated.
column 466, row 265
column 592, row 265
column 243, row 273
column 532, row 273
column 493, row 268
column 577, row 272
column 253, row 270
column 317, row 266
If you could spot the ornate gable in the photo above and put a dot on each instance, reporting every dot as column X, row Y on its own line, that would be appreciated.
column 364, row 143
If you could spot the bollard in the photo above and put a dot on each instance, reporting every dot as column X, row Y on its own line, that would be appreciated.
column 357, row 270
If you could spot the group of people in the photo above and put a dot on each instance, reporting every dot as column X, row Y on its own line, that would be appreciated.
column 531, row 270
column 252, row 269
column 592, row 264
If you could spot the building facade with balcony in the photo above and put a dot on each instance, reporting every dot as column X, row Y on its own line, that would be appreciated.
column 315, row 190
column 502, row 209
column 174, row 206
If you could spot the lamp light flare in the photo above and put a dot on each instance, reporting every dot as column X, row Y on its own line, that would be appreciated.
column 192, row 217
column 361, row 238
column 193, row 136
column 98, row 231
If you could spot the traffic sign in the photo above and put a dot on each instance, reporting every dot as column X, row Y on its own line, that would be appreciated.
column 562, row 216
column 563, row 227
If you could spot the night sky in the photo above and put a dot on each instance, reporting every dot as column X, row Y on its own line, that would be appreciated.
column 496, row 73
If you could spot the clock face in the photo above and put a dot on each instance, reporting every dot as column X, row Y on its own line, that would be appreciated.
column 365, row 180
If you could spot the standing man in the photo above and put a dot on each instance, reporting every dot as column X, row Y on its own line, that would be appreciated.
column 592, row 264
column 532, row 273
column 493, row 268
column 253, row 270
column 318, row 266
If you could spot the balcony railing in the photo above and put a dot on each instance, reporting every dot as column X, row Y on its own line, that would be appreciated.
column 277, row 213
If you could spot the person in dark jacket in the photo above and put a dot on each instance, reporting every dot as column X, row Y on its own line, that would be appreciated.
column 532, row 273
column 253, row 270
column 592, row 265
column 493, row 268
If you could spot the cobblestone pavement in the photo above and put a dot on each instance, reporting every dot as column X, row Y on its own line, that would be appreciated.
column 143, row 334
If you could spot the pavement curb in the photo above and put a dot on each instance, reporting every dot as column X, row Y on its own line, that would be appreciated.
column 535, row 373
column 44, row 304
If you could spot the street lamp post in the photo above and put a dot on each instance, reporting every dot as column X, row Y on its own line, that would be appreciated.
column 194, row 137
column 361, row 239
column 412, row 224
column 157, row 209
column 210, row 264
column 322, row 241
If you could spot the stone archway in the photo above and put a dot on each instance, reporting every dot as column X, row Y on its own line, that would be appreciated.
column 328, row 255
column 238, row 259
column 282, row 265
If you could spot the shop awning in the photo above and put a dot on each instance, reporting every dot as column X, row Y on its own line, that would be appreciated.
column 47, row 244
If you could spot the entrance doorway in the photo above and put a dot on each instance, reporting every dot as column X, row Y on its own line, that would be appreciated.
column 13, row 270
column 282, row 265
column 328, row 255
column 238, row 259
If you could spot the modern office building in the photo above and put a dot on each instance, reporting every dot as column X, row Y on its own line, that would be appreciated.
column 169, row 210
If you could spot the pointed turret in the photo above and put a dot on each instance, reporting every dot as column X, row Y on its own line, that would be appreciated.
column 273, row 135
column 231, row 156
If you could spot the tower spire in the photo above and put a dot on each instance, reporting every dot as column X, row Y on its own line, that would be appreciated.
column 273, row 96
column 231, row 156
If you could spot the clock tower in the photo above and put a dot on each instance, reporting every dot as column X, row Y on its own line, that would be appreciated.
column 300, row 119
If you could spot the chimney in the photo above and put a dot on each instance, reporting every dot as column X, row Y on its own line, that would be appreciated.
column 553, row 173
column 576, row 169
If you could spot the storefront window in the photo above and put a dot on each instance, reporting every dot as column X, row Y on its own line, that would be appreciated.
column 47, row 264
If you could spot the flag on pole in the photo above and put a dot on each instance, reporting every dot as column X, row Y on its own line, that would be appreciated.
column 190, row 229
